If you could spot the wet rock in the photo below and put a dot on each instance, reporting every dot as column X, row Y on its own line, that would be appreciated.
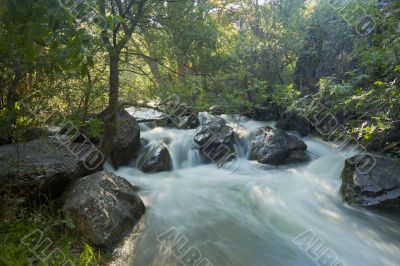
column 292, row 122
column 371, row 183
column 189, row 122
column 40, row 167
column 216, row 110
column 155, row 158
column 126, row 144
column 103, row 207
column 297, row 156
column 215, row 140
column 275, row 146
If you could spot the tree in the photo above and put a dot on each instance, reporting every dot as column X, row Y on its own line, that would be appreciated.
column 122, row 18
column 116, row 35
column 40, row 44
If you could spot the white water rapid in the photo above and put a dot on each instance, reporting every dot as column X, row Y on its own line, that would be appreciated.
column 250, row 216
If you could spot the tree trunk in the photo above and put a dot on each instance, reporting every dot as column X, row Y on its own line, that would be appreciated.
column 114, row 81
column 153, row 64
column 158, row 77
column 182, row 71
column 110, row 130
column 87, row 96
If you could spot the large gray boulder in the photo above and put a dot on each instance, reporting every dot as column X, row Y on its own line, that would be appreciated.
column 155, row 158
column 371, row 182
column 103, row 207
column 275, row 146
column 215, row 140
column 126, row 144
column 40, row 167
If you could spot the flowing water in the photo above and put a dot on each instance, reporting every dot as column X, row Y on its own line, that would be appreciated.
column 250, row 214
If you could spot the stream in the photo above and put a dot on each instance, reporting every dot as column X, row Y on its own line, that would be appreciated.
column 253, row 214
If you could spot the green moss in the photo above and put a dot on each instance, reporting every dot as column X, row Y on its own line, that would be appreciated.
column 347, row 189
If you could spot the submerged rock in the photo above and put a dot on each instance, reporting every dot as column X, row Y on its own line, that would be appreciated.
column 40, row 167
column 126, row 144
column 275, row 146
column 215, row 140
column 103, row 207
column 371, row 182
column 155, row 158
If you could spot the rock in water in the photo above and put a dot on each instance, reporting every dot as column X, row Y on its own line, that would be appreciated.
column 215, row 140
column 126, row 144
column 371, row 185
column 216, row 110
column 275, row 146
column 103, row 207
column 155, row 158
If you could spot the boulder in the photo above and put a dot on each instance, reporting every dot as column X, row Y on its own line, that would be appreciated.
column 103, row 207
column 275, row 146
column 155, row 158
column 126, row 144
column 215, row 140
column 292, row 122
column 371, row 182
column 216, row 110
column 40, row 167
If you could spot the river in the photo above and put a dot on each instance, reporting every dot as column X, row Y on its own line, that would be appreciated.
column 253, row 214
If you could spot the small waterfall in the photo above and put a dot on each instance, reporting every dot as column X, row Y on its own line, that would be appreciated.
column 249, row 214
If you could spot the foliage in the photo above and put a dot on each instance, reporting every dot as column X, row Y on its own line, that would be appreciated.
column 237, row 53
column 55, row 228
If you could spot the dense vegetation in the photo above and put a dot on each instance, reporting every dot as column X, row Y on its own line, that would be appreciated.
column 84, row 56
column 77, row 58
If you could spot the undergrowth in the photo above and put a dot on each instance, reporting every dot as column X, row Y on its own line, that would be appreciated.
column 43, row 236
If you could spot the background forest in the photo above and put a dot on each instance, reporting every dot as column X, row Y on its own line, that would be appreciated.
column 83, row 56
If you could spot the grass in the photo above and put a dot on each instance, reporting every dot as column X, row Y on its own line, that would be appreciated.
column 43, row 236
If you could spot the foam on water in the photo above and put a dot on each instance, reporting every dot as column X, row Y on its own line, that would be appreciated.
column 251, row 215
